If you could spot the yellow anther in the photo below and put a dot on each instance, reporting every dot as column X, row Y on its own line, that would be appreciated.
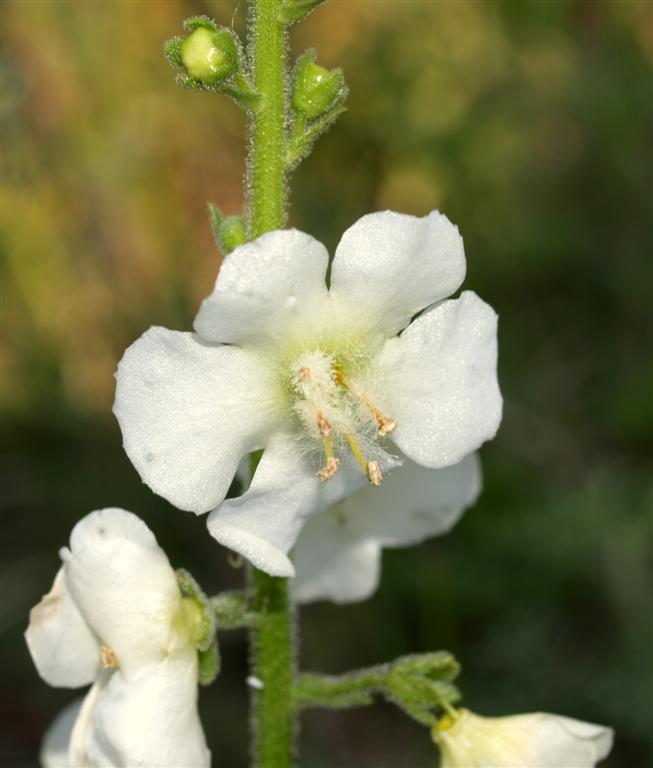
column 323, row 424
column 304, row 373
column 332, row 464
column 108, row 658
column 374, row 474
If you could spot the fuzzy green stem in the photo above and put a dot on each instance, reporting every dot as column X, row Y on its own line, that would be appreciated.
column 273, row 664
column 272, row 636
column 266, row 161
column 340, row 691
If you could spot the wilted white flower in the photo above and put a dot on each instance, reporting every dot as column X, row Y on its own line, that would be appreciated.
column 536, row 740
column 338, row 553
column 319, row 377
column 115, row 618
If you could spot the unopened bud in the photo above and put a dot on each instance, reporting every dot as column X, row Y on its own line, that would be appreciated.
column 317, row 90
column 210, row 56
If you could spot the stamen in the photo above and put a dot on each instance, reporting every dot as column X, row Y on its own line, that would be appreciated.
column 323, row 425
column 374, row 474
column 108, row 658
column 356, row 451
column 332, row 464
column 385, row 425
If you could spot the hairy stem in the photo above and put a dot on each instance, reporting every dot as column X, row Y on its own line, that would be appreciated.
column 272, row 636
column 266, row 157
column 273, row 663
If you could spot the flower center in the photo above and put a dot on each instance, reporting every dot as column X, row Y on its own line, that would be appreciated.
column 338, row 414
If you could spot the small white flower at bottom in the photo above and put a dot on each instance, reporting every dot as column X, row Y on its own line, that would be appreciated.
column 115, row 618
column 537, row 740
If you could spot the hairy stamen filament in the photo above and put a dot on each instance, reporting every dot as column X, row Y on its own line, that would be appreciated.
column 385, row 424
column 323, row 424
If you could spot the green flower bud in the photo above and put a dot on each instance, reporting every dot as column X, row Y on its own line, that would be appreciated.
column 316, row 90
column 210, row 56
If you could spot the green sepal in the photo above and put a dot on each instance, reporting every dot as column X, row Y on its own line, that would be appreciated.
column 421, row 685
column 232, row 610
column 172, row 51
column 228, row 231
column 316, row 90
column 292, row 11
column 199, row 22
column 208, row 664
column 439, row 665
column 206, row 626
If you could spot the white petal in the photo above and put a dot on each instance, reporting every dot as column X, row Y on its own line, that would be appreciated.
column 392, row 266
column 536, row 740
column 439, row 381
column 54, row 749
column 188, row 412
column 124, row 586
column 265, row 287
column 63, row 647
column 337, row 554
column 331, row 564
column 263, row 523
column 150, row 721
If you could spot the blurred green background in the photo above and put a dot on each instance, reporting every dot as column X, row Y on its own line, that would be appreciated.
column 529, row 124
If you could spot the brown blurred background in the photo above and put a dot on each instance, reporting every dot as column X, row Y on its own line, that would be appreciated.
column 529, row 124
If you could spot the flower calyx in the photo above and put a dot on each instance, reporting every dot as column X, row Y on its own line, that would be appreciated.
column 228, row 231
column 318, row 97
column 316, row 90
column 211, row 58
column 422, row 686
column 197, row 619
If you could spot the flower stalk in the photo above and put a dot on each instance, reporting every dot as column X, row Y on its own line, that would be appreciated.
column 272, row 637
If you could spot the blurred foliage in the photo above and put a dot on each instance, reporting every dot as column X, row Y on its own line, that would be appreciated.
column 528, row 124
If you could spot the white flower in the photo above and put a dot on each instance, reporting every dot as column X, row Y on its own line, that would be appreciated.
column 338, row 553
column 115, row 618
column 318, row 377
column 536, row 740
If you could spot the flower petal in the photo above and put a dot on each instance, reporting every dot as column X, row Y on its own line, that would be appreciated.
column 538, row 740
column 54, row 749
column 124, row 586
column 62, row 645
column 188, row 412
column 439, row 381
column 263, row 523
column 331, row 564
column 263, row 287
column 337, row 554
column 392, row 265
column 150, row 720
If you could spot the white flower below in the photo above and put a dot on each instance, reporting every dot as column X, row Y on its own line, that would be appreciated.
column 115, row 618
column 322, row 378
column 538, row 740
column 338, row 553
